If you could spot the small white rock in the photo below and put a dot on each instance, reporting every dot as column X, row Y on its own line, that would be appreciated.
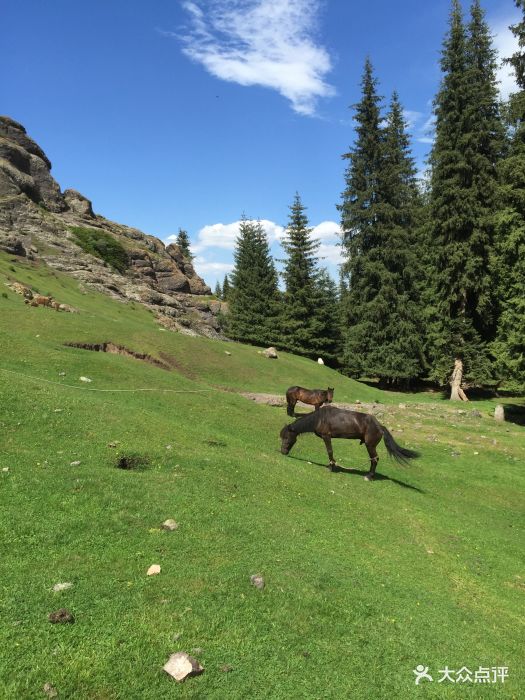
column 62, row 586
column 170, row 524
column 85, row 379
column 153, row 570
column 258, row 581
column 5, row 469
column 182, row 665
column 75, row 463
column 320, row 361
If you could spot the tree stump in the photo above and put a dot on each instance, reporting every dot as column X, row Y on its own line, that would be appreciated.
column 456, row 392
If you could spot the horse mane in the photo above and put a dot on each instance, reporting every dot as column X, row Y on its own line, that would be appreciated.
column 305, row 424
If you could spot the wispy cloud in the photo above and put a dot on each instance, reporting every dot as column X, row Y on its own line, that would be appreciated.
column 270, row 43
column 505, row 44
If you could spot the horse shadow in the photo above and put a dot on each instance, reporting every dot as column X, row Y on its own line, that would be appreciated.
column 361, row 472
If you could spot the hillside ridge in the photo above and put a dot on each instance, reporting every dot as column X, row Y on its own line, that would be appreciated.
column 40, row 222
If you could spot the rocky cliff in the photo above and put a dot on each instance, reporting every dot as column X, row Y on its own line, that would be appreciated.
column 39, row 221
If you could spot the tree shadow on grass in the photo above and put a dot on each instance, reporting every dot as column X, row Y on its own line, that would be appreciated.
column 361, row 472
column 514, row 413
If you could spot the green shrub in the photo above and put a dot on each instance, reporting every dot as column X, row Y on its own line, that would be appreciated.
column 102, row 245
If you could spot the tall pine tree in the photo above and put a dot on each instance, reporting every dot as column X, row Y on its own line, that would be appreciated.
column 299, row 328
column 464, row 159
column 253, row 298
column 380, row 237
column 359, row 216
column 509, row 347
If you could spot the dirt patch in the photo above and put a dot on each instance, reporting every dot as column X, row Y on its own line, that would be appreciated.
column 173, row 363
column 114, row 349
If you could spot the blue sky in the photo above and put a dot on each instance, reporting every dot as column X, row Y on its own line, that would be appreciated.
column 171, row 114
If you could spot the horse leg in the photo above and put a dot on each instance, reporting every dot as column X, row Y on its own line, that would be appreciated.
column 374, row 459
column 328, row 443
column 291, row 407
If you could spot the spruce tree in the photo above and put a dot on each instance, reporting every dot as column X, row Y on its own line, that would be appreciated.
column 463, row 160
column 253, row 298
column 359, row 216
column 225, row 288
column 326, row 340
column 509, row 260
column 183, row 241
column 380, row 238
column 299, row 329
column 218, row 291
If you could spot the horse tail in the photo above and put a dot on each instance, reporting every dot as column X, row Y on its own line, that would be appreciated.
column 400, row 454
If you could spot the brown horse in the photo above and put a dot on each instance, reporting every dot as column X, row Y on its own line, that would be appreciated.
column 315, row 397
column 330, row 422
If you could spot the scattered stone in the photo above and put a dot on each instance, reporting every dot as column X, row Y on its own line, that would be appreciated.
column 499, row 414
column 455, row 454
column 170, row 525
column 181, row 665
column 62, row 586
column 5, row 469
column 61, row 374
column 476, row 453
column 227, row 353
column 226, row 668
column 153, row 570
column 461, row 412
column 357, row 401
column 75, row 463
column 58, row 410
column 62, row 617
column 169, row 447
column 475, row 414
column 271, row 353
column 85, row 379
column 50, row 690
column 320, row 361
column 402, row 405
column 258, row 581
column 112, row 444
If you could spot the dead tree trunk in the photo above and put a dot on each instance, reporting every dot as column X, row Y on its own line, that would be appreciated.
column 456, row 392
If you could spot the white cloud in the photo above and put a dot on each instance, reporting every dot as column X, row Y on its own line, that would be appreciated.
column 326, row 230
column 506, row 44
column 331, row 254
column 270, row 43
column 224, row 235
column 204, row 267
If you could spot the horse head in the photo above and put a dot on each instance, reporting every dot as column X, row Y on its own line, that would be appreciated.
column 288, row 439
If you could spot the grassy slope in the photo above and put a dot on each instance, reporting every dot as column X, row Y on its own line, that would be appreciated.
column 364, row 581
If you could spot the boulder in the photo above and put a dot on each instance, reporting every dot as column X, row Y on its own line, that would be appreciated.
column 499, row 414
column 79, row 204
column 271, row 353
column 181, row 665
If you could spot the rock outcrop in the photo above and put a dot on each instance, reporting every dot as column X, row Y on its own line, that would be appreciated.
column 37, row 221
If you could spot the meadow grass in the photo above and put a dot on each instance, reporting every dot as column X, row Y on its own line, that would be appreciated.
column 364, row 581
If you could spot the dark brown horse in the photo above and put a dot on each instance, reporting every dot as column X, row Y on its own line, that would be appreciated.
column 330, row 422
column 315, row 397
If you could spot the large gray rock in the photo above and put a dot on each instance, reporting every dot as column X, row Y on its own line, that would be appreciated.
column 78, row 203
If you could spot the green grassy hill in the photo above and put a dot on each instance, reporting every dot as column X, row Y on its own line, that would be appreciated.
column 364, row 581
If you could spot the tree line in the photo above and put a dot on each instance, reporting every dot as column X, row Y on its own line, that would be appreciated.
column 432, row 283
